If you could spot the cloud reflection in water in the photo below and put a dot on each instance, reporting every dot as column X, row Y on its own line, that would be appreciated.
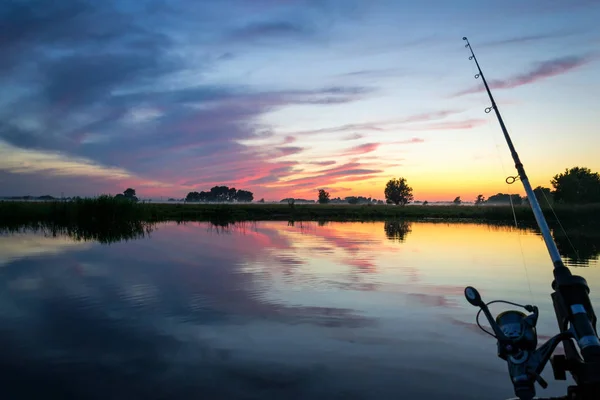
column 261, row 310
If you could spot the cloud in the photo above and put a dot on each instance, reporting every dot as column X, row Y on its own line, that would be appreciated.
column 373, row 73
column 543, row 70
column 381, row 126
column 361, row 149
column 347, row 172
column 22, row 161
column 322, row 163
column 269, row 30
column 101, row 95
column 527, row 38
column 353, row 136
column 289, row 150
column 450, row 125
column 411, row 140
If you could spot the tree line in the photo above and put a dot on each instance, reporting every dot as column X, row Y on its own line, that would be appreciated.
column 577, row 185
column 573, row 186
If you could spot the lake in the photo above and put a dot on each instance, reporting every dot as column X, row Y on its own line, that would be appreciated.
column 268, row 310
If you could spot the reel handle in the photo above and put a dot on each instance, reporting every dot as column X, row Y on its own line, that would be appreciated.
column 474, row 298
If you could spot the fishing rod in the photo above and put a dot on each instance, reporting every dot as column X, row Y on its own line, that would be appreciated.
column 516, row 332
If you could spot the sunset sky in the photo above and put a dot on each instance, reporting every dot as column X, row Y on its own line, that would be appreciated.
column 283, row 97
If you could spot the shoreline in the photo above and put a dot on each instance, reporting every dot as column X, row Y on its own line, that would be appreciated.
column 108, row 209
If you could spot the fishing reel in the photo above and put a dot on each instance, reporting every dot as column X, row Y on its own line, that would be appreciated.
column 517, row 343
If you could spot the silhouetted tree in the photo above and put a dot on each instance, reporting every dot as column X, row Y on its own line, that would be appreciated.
column 352, row 200
column 243, row 196
column 398, row 192
column 480, row 199
column 457, row 200
column 576, row 185
column 128, row 194
column 425, row 202
column 220, row 194
column 323, row 196
column 503, row 198
column 543, row 195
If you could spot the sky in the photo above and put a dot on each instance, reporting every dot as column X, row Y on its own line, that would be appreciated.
column 285, row 97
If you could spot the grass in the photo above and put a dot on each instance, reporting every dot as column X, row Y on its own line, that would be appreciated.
column 104, row 219
column 110, row 212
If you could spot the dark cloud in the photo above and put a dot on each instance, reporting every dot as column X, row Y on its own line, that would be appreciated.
column 528, row 38
column 82, row 99
column 373, row 73
column 353, row 136
column 380, row 126
column 272, row 29
column 289, row 150
column 322, row 163
column 543, row 70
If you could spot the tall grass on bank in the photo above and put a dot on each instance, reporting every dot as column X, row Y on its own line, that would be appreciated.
column 104, row 219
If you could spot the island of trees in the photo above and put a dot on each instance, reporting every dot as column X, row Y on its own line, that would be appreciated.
column 220, row 194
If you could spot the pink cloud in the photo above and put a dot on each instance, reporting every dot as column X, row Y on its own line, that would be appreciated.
column 543, row 70
column 361, row 149
column 451, row 125
column 410, row 141
column 346, row 172
column 429, row 116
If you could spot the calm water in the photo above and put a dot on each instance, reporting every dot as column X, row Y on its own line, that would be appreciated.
column 267, row 310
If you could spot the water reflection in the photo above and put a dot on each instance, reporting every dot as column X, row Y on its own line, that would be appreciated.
column 101, row 233
column 264, row 310
column 397, row 230
column 579, row 245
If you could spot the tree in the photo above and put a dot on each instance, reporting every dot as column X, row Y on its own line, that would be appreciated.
column 480, row 199
column 543, row 195
column 323, row 196
column 128, row 194
column 244, row 196
column 576, row 186
column 503, row 198
column 352, row 200
column 398, row 192
column 221, row 194
column 457, row 200
column 425, row 202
